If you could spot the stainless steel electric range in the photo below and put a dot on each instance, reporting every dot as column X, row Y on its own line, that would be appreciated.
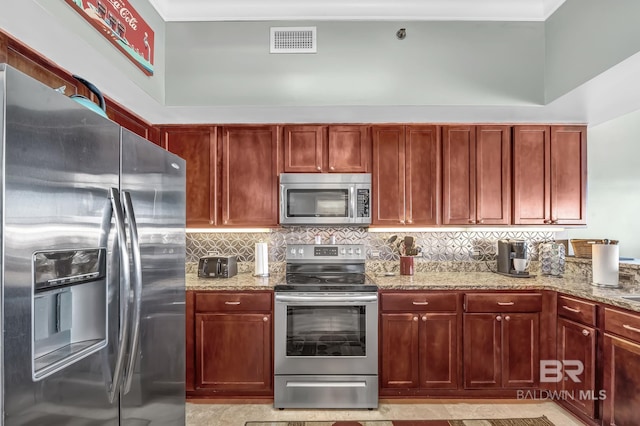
column 326, row 330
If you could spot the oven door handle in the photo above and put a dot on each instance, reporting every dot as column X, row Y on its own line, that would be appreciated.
column 325, row 298
column 352, row 202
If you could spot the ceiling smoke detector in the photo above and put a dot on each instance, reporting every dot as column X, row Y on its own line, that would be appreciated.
column 293, row 40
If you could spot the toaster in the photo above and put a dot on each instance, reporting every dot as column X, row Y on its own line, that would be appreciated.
column 217, row 266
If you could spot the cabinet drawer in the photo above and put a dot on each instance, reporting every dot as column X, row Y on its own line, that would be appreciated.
column 233, row 301
column 419, row 301
column 503, row 302
column 577, row 310
column 622, row 324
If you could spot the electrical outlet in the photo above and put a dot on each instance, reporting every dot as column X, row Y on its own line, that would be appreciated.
column 213, row 253
column 375, row 254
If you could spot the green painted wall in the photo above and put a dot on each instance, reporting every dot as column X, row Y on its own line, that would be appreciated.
column 585, row 38
column 358, row 63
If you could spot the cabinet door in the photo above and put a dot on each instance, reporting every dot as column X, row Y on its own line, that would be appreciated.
column 233, row 352
column 399, row 346
column 388, row 177
column 531, row 175
column 439, row 351
column 422, row 174
column 303, row 148
column 577, row 342
column 621, row 381
column 481, row 348
column 249, row 176
column 520, row 350
column 568, row 175
column 349, row 149
column 197, row 145
column 459, row 169
column 493, row 175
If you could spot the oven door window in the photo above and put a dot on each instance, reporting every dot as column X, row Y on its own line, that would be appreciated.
column 318, row 203
column 326, row 331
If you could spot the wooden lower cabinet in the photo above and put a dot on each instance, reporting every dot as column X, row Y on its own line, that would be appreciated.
column 621, row 368
column 229, row 344
column 578, row 342
column 502, row 340
column 419, row 349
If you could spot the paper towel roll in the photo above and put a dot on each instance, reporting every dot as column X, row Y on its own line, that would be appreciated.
column 605, row 262
column 261, row 260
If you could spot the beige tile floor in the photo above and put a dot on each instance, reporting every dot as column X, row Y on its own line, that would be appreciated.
column 237, row 414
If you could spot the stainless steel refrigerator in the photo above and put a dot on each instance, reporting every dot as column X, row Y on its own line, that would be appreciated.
column 92, row 251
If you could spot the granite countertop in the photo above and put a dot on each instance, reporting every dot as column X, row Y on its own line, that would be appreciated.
column 575, row 286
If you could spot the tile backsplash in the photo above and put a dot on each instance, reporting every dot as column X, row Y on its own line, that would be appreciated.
column 440, row 246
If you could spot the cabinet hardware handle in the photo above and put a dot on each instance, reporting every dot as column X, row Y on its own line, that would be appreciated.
column 318, row 168
column 420, row 303
column 265, row 319
column 332, row 168
column 576, row 310
column 481, row 221
column 410, row 221
column 402, row 222
column 231, row 303
column 472, row 221
column 507, row 318
column 585, row 332
column 546, row 221
column 498, row 318
column 424, row 318
column 506, row 303
column 628, row 327
column 415, row 318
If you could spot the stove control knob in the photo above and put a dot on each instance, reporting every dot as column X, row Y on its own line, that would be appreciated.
column 358, row 251
column 300, row 252
column 293, row 252
column 350, row 251
column 343, row 251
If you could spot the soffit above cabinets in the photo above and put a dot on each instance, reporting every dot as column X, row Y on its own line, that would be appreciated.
column 408, row 10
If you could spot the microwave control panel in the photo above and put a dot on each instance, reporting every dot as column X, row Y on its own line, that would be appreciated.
column 363, row 203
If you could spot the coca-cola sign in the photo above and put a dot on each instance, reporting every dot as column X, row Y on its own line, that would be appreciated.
column 119, row 22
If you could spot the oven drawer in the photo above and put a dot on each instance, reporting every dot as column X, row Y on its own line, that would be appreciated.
column 419, row 301
column 503, row 302
column 233, row 301
column 577, row 310
column 309, row 391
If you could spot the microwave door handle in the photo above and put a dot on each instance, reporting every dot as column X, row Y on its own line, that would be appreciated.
column 352, row 202
column 218, row 268
column 283, row 203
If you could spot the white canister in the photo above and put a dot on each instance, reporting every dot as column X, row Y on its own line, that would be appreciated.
column 605, row 262
column 261, row 260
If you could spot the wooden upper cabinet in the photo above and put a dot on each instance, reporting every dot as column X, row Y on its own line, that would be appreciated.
column 388, row 177
column 476, row 175
column 549, row 175
column 197, row 146
column 349, row 149
column 303, row 148
column 423, row 175
column 249, row 166
column 326, row 149
column 406, row 175
column 568, row 175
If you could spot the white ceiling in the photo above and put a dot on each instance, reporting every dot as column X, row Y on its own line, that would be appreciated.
column 408, row 10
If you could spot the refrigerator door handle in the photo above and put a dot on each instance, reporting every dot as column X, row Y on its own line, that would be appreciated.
column 125, row 289
column 137, row 289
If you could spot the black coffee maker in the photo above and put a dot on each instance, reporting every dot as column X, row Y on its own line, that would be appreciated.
column 508, row 251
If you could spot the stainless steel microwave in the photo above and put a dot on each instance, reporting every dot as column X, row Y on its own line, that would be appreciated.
column 342, row 199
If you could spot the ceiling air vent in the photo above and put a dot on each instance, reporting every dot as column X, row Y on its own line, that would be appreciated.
column 293, row 40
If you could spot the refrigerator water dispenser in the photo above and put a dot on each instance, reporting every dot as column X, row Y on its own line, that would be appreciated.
column 69, row 320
